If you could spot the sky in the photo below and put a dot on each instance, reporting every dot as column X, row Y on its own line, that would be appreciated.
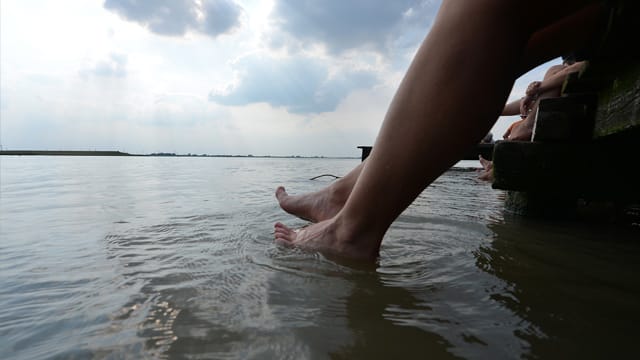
column 237, row 77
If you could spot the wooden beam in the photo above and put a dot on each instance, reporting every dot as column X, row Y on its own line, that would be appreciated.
column 602, row 169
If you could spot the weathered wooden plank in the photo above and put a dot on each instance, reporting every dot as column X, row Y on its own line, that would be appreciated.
column 619, row 104
column 538, row 167
column 587, row 81
column 602, row 169
column 568, row 118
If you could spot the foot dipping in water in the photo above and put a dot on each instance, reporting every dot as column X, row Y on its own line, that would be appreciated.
column 472, row 55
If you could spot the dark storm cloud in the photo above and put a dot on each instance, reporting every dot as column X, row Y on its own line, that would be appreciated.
column 176, row 17
column 341, row 25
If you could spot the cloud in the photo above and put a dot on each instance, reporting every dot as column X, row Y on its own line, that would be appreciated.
column 339, row 25
column 181, row 110
column 300, row 84
column 114, row 66
column 177, row 17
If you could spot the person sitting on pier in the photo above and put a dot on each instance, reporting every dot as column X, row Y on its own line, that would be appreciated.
column 471, row 45
column 527, row 106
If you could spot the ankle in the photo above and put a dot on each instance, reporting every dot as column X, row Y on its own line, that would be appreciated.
column 354, row 236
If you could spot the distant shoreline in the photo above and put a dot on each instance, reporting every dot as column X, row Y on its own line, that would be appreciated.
column 63, row 153
column 120, row 153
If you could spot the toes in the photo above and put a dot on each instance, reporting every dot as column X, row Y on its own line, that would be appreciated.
column 280, row 225
column 280, row 192
column 283, row 234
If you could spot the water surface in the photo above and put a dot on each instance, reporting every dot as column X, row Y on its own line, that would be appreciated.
column 173, row 258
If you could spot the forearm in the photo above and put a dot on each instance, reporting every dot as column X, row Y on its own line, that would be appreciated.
column 557, row 79
column 512, row 108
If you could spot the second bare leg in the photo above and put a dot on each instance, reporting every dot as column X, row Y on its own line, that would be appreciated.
column 323, row 204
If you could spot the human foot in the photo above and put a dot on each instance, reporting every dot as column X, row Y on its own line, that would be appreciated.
column 318, row 206
column 326, row 237
column 486, row 164
column 486, row 173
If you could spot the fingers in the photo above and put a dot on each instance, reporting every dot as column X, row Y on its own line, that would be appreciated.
column 533, row 88
column 525, row 104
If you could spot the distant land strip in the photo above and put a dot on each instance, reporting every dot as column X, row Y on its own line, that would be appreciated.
column 162, row 154
column 64, row 152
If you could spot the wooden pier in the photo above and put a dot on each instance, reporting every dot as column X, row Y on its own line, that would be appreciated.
column 585, row 146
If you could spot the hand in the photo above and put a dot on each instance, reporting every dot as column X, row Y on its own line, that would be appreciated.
column 525, row 104
column 533, row 88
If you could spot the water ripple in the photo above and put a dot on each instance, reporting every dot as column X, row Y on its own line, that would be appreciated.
column 174, row 258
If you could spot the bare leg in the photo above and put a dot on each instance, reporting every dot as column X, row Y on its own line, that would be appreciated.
column 323, row 204
column 425, row 120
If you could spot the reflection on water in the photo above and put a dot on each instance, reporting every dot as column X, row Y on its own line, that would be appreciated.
column 577, row 286
column 173, row 258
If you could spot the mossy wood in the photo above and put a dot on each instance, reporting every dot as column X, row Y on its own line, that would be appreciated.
column 619, row 103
